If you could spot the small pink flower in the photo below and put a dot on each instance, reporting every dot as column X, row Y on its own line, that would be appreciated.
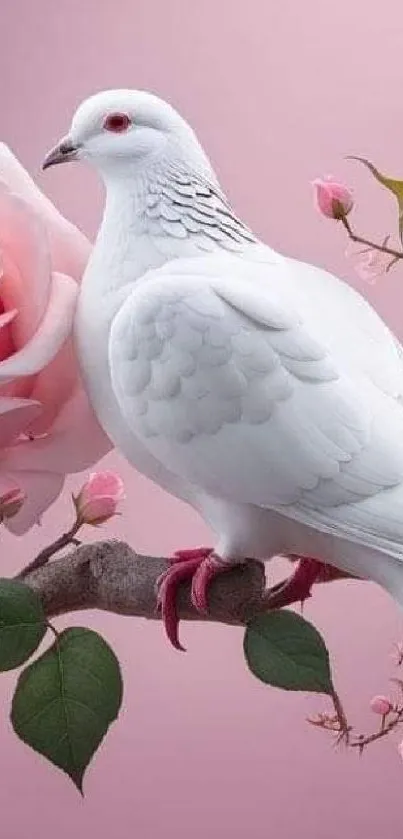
column 369, row 262
column 333, row 200
column 99, row 497
column 380, row 705
column 372, row 265
column 11, row 503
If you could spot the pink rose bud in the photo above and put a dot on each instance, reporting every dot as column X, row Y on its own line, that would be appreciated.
column 333, row 200
column 99, row 497
column 11, row 503
column 380, row 705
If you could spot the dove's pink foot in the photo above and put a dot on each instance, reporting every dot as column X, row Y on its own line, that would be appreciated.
column 200, row 565
column 297, row 588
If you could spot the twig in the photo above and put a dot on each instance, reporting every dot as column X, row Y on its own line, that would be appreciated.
column 360, row 741
column 43, row 557
column 373, row 245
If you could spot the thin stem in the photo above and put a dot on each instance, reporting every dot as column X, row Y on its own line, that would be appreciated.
column 361, row 741
column 373, row 245
column 53, row 629
column 344, row 727
column 43, row 557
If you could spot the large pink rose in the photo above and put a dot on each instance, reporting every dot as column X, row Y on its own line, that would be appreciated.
column 47, row 427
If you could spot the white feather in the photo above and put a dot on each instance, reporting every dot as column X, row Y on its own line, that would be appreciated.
column 265, row 392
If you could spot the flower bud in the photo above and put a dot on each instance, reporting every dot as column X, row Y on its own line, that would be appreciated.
column 99, row 498
column 333, row 200
column 11, row 503
column 380, row 705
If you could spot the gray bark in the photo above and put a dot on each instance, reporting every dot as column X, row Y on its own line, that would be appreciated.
column 112, row 577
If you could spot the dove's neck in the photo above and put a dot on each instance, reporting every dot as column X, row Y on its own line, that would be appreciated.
column 172, row 208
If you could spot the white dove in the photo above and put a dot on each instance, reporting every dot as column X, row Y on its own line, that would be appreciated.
column 263, row 391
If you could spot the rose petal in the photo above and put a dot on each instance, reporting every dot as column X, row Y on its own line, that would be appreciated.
column 6, row 339
column 103, row 484
column 75, row 442
column 41, row 490
column 15, row 416
column 69, row 247
column 25, row 281
column 332, row 199
column 54, row 385
column 11, row 503
column 8, row 317
column 51, row 334
column 98, row 510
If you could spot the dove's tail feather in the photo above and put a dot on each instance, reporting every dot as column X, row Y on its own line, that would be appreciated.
column 375, row 523
column 367, row 537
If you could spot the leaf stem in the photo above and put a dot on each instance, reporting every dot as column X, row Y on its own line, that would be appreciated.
column 344, row 727
column 55, row 631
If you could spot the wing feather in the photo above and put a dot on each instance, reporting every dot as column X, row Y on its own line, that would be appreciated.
column 250, row 394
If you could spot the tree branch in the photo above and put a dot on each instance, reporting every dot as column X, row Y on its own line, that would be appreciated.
column 112, row 577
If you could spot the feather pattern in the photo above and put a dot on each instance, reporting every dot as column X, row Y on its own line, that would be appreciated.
column 242, row 399
column 183, row 204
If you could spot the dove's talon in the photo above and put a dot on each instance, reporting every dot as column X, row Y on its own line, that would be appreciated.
column 297, row 588
column 167, row 587
column 200, row 565
column 208, row 568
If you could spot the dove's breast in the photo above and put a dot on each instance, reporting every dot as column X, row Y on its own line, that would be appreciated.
column 134, row 239
column 96, row 310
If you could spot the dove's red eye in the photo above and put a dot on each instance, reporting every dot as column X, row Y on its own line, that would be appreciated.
column 117, row 123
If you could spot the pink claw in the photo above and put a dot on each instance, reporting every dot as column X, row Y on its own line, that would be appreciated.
column 297, row 587
column 209, row 568
column 200, row 565
column 167, row 585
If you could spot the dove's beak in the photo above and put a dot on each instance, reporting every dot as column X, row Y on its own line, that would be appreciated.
column 64, row 151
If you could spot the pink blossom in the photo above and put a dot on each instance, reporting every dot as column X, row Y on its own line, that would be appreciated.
column 47, row 428
column 372, row 265
column 369, row 262
column 99, row 498
column 380, row 705
column 11, row 503
column 333, row 200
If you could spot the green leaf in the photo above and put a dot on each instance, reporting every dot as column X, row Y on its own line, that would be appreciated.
column 22, row 623
column 284, row 650
column 66, row 700
column 392, row 184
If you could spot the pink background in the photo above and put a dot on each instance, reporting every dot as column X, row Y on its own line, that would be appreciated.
column 279, row 92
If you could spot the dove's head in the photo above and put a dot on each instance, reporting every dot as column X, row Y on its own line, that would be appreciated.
column 121, row 130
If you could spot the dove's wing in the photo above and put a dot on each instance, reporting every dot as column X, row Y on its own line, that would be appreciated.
column 216, row 370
